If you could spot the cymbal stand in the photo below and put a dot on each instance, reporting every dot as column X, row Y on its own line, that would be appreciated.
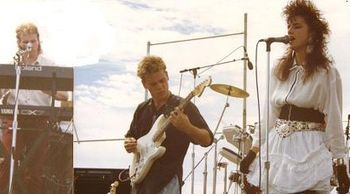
column 206, row 158
column 216, row 146
column 235, row 177
column 205, row 173
column 224, row 165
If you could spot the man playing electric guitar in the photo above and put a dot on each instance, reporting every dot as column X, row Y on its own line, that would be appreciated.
column 185, row 126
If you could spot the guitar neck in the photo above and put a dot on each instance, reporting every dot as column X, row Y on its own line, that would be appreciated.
column 181, row 106
column 114, row 187
column 184, row 103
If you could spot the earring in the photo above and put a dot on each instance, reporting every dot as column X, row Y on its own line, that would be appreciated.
column 309, row 47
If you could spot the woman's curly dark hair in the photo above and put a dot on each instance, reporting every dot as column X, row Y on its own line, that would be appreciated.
column 319, row 32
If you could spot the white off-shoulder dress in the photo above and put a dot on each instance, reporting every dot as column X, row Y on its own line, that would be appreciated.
column 303, row 160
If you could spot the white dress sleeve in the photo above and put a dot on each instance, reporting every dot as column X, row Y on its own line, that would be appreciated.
column 333, row 114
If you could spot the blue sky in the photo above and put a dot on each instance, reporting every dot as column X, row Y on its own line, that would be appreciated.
column 103, row 40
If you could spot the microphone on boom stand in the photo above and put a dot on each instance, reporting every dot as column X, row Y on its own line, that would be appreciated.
column 250, row 64
column 284, row 39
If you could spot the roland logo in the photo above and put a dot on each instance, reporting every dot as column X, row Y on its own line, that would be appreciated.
column 6, row 111
column 32, row 68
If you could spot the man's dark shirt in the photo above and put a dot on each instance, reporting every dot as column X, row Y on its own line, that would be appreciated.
column 176, row 142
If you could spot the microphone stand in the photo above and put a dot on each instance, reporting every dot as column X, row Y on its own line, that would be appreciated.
column 212, row 65
column 14, row 124
column 267, row 162
column 194, row 71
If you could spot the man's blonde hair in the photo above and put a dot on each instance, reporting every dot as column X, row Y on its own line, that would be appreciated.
column 27, row 28
column 149, row 65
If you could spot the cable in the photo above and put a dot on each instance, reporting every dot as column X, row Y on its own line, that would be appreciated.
column 259, row 115
column 234, row 50
column 120, row 175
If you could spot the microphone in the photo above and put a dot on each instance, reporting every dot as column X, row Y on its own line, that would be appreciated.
column 29, row 46
column 284, row 39
column 250, row 64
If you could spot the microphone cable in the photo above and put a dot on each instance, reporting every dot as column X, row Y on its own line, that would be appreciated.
column 234, row 50
column 259, row 111
column 181, row 76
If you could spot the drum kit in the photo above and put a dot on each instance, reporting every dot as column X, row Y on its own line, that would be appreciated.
column 234, row 135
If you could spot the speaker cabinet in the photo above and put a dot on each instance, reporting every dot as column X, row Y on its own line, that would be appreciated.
column 98, row 181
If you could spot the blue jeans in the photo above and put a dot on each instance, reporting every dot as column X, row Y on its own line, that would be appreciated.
column 172, row 187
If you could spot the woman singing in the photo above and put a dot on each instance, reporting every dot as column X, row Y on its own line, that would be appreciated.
column 306, row 142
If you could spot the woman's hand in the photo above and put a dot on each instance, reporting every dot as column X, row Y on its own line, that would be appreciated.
column 247, row 161
column 343, row 178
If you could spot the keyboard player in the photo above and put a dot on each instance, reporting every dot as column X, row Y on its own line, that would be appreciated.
column 27, row 39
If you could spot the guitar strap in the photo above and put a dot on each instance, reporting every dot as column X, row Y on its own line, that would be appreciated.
column 172, row 102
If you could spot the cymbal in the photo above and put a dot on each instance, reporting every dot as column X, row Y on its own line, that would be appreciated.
column 229, row 90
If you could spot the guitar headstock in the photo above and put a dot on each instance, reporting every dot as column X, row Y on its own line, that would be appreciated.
column 199, row 89
column 114, row 187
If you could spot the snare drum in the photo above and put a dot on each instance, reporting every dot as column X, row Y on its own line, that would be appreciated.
column 230, row 155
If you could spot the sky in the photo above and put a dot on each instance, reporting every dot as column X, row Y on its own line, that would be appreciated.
column 104, row 40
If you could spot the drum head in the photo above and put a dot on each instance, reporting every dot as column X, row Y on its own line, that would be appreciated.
column 238, row 138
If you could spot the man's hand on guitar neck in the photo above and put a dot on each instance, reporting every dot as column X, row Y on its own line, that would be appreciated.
column 130, row 144
column 180, row 120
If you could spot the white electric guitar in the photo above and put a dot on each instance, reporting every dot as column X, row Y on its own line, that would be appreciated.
column 148, row 146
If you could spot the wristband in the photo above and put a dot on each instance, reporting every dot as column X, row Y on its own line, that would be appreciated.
column 338, row 161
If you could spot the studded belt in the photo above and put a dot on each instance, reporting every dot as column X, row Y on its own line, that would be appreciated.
column 285, row 128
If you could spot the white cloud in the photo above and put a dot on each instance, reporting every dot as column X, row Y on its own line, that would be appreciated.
column 72, row 32
column 113, row 91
